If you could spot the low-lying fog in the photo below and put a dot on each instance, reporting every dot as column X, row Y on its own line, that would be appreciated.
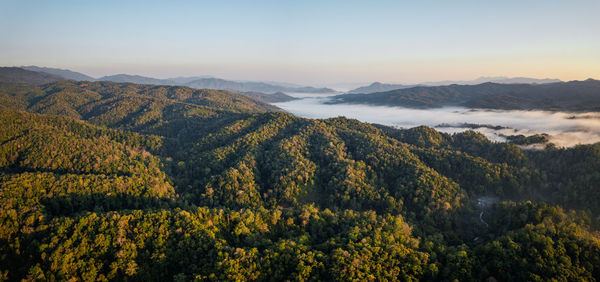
column 565, row 129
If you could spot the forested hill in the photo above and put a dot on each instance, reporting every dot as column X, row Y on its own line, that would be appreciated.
column 126, row 105
column 560, row 96
column 117, row 181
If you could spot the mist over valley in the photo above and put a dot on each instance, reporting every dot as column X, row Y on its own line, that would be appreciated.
column 566, row 129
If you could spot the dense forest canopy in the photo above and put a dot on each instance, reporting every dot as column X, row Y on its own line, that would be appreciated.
column 577, row 96
column 120, row 181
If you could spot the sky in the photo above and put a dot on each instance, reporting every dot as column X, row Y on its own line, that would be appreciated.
column 307, row 42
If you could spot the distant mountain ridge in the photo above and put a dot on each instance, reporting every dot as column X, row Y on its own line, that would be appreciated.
column 559, row 96
column 215, row 83
column 383, row 87
column 199, row 82
column 67, row 74
column 137, row 79
column 495, row 79
column 378, row 87
column 42, row 75
column 19, row 75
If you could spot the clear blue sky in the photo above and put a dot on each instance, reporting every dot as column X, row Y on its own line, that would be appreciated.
column 311, row 42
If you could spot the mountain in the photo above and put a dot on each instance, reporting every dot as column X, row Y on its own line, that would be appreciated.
column 382, row 87
column 182, row 80
column 561, row 96
column 214, row 83
column 137, row 79
column 278, row 97
column 217, row 83
column 377, row 87
column 120, row 181
column 19, row 75
column 67, row 74
column 46, row 75
column 497, row 79
column 284, row 84
column 517, row 80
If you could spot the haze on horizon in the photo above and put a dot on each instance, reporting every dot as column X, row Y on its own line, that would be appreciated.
column 307, row 42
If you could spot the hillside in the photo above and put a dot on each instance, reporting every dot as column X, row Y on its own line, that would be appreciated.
column 18, row 75
column 563, row 96
column 125, row 105
column 118, row 181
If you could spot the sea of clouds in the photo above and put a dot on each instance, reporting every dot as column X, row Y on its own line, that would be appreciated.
column 564, row 129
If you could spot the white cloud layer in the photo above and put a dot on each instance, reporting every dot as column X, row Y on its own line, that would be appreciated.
column 565, row 129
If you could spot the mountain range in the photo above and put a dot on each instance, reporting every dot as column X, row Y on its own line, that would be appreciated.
column 237, row 86
column 558, row 96
column 19, row 75
column 199, row 82
column 382, row 87
column 268, row 87
column 67, row 74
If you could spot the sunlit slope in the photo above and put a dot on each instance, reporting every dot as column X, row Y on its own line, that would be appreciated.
column 281, row 160
column 65, row 157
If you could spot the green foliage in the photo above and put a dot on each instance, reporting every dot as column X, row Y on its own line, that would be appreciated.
column 528, row 140
column 138, row 182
